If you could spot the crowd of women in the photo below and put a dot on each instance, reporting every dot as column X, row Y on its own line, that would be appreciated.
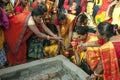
column 84, row 31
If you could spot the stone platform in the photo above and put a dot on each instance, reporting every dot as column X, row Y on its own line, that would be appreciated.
column 57, row 68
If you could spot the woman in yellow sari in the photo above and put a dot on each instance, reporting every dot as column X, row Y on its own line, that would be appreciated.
column 109, row 53
column 64, row 23
column 88, row 56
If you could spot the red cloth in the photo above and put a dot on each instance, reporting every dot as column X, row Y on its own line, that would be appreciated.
column 83, row 5
column 19, row 9
column 35, row 4
column 16, row 37
column 109, row 61
column 65, row 5
column 117, row 48
column 101, row 42
column 56, row 22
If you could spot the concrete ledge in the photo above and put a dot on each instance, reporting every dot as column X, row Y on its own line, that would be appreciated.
column 41, row 67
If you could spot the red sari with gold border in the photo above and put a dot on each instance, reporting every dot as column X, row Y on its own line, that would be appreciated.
column 110, row 62
column 16, row 37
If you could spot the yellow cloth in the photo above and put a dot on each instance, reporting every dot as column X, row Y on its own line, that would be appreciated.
column 98, row 2
column 1, row 38
column 65, row 28
column 51, row 50
column 84, row 55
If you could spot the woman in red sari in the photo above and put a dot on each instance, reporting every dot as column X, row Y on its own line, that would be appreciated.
column 21, row 27
column 109, row 51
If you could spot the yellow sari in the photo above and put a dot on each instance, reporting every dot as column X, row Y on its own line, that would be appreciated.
column 65, row 28
column 91, row 54
column 52, row 49
column 1, row 38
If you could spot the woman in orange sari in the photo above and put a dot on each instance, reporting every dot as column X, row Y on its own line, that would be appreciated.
column 21, row 29
column 109, row 53
column 85, row 56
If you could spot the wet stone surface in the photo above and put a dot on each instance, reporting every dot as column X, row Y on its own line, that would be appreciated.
column 47, row 70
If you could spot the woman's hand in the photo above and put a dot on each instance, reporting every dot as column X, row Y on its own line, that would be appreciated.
column 82, row 46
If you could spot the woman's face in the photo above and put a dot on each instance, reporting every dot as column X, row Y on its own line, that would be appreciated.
column 62, row 22
column 37, row 19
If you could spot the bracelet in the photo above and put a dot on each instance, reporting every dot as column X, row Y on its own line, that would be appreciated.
column 96, row 74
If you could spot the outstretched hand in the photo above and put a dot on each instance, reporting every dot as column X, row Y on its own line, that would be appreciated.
column 82, row 46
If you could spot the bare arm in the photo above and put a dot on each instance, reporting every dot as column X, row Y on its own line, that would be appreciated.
column 47, row 30
column 58, row 29
column 34, row 29
column 98, row 69
column 77, row 58
column 92, row 44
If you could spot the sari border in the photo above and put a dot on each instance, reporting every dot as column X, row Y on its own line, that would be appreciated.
column 23, row 32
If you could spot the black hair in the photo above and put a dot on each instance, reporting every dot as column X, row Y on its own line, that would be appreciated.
column 81, row 17
column 82, row 30
column 1, row 3
column 107, row 29
column 53, row 28
column 61, row 15
column 39, row 10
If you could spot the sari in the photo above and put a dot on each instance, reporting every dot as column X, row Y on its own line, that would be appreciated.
column 51, row 48
column 91, row 55
column 16, row 37
column 5, row 25
column 64, row 29
column 36, row 46
column 100, row 16
column 109, row 58
column 3, row 58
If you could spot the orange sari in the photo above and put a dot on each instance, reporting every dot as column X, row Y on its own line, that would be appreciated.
column 110, row 62
column 16, row 37
column 91, row 55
